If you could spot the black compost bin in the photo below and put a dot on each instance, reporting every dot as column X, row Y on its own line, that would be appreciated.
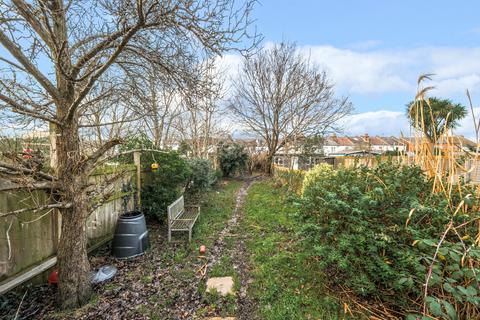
column 131, row 235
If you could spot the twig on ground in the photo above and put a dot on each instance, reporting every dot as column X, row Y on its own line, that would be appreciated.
column 20, row 305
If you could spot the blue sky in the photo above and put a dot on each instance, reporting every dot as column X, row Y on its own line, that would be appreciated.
column 375, row 50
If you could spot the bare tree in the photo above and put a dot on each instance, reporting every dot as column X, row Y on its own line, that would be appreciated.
column 161, row 103
column 280, row 95
column 57, row 53
column 200, row 121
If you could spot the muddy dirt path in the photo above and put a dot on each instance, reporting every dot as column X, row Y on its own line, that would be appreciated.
column 245, row 307
column 219, row 245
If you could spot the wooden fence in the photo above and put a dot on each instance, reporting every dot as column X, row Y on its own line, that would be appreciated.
column 28, row 241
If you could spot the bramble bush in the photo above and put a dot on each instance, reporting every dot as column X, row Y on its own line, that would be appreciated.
column 375, row 231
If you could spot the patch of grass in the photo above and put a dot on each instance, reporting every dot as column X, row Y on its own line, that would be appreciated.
column 282, row 284
column 223, row 267
column 147, row 279
column 224, row 306
column 216, row 208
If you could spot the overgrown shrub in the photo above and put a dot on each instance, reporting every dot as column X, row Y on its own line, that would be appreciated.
column 375, row 231
column 203, row 175
column 318, row 172
column 161, row 187
column 232, row 158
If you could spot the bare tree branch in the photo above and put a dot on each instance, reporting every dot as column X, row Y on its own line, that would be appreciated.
column 18, row 108
column 28, row 65
column 17, row 169
column 36, row 209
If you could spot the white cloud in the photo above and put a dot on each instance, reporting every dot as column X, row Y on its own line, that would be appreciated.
column 386, row 123
column 382, row 122
column 389, row 71
column 380, row 71
column 364, row 45
column 370, row 70
column 455, row 85
column 394, row 123
column 467, row 127
column 360, row 71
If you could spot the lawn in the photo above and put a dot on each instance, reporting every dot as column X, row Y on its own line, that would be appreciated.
column 282, row 286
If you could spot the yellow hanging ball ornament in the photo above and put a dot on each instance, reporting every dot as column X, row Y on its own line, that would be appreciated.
column 154, row 166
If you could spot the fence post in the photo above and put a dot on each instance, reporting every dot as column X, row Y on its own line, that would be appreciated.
column 137, row 162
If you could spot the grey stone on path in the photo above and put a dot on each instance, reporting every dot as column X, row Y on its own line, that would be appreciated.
column 223, row 285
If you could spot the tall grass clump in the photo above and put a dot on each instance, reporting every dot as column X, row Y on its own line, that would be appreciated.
column 290, row 178
column 451, row 286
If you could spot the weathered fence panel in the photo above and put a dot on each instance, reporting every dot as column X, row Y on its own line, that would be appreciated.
column 28, row 240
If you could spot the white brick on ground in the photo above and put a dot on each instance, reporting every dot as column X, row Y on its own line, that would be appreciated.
column 223, row 285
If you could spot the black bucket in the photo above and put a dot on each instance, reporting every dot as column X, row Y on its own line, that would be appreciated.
column 131, row 235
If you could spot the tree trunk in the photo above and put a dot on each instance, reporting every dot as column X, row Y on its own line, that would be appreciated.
column 74, row 267
column 269, row 164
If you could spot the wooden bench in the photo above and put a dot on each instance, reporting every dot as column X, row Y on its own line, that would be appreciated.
column 181, row 218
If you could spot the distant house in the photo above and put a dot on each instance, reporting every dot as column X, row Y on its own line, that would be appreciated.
column 356, row 153
column 306, row 152
column 338, row 145
column 342, row 146
column 460, row 144
column 252, row 145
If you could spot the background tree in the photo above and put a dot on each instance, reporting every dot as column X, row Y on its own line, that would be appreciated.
column 55, row 55
column 281, row 95
column 201, row 105
column 162, row 106
column 435, row 116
